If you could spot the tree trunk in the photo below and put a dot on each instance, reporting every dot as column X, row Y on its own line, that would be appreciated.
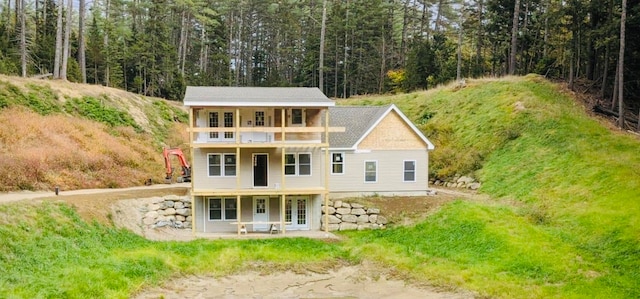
column 459, row 64
column 322, row 36
column 81, row 47
column 436, row 25
column 614, row 97
column 23, row 39
column 346, row 53
column 106, row 46
column 58, row 53
column 479, row 43
column 605, row 71
column 67, row 42
column 514, row 38
column 403, row 41
column 623, row 19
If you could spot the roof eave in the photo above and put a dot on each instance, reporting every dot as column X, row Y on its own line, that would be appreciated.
column 257, row 104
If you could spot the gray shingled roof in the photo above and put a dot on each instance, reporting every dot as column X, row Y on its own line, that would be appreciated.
column 356, row 120
column 255, row 96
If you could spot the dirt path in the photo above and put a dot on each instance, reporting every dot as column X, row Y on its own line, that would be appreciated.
column 362, row 281
column 96, row 204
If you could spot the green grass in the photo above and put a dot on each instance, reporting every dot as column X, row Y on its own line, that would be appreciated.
column 48, row 251
column 95, row 109
column 563, row 222
column 575, row 229
column 38, row 98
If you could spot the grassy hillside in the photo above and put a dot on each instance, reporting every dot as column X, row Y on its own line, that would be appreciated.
column 48, row 251
column 55, row 133
column 565, row 222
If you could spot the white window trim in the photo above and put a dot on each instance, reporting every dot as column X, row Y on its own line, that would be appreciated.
column 222, row 165
column 404, row 170
column 223, row 216
column 365, row 172
column 221, row 124
column 343, row 164
column 290, row 118
column 297, row 164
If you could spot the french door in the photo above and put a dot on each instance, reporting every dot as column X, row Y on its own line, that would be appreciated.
column 296, row 212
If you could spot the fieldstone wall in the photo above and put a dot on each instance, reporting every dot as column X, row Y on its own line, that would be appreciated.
column 458, row 182
column 168, row 211
column 352, row 216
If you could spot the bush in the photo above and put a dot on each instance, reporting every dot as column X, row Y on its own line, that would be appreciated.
column 94, row 109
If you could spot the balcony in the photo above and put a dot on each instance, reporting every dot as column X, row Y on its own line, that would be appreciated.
column 204, row 137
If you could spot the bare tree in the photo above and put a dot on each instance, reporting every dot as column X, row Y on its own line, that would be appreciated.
column 67, row 42
column 58, row 53
column 23, row 37
column 322, row 36
column 514, row 38
column 623, row 20
column 81, row 48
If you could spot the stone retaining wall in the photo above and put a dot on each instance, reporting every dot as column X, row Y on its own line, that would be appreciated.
column 458, row 182
column 171, row 210
column 351, row 216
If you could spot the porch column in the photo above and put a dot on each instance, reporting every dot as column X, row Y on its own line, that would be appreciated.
column 193, row 213
column 239, row 212
column 326, row 212
column 282, row 224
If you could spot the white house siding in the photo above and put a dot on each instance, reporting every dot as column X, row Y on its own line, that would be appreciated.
column 390, row 176
column 202, row 180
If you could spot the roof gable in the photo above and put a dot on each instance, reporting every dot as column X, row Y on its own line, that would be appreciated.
column 360, row 122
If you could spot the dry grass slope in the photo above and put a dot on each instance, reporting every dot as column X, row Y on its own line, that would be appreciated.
column 72, row 151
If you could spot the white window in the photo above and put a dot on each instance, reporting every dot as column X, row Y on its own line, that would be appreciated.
column 370, row 171
column 228, row 123
column 337, row 163
column 259, row 119
column 297, row 117
column 213, row 123
column 223, row 209
column 409, row 171
column 297, row 164
column 222, row 164
column 290, row 164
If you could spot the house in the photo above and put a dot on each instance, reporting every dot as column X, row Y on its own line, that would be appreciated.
column 380, row 152
column 268, row 157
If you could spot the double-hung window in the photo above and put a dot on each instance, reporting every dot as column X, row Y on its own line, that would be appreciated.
column 297, row 117
column 370, row 171
column 222, row 164
column 297, row 164
column 409, row 171
column 223, row 209
column 337, row 163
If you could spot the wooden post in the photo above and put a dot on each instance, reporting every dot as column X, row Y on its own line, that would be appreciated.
column 238, row 212
column 282, row 223
column 282, row 122
column 327, row 165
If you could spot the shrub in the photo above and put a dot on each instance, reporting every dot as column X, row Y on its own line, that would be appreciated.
column 94, row 109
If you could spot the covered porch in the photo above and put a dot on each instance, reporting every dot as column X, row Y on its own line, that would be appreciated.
column 256, row 214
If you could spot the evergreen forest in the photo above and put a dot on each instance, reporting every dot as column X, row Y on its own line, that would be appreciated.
column 345, row 47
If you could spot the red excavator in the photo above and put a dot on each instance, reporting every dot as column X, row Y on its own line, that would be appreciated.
column 186, row 169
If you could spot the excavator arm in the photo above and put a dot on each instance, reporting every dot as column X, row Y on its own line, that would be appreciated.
column 186, row 169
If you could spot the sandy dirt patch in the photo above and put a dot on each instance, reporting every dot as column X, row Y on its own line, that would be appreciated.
column 362, row 281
